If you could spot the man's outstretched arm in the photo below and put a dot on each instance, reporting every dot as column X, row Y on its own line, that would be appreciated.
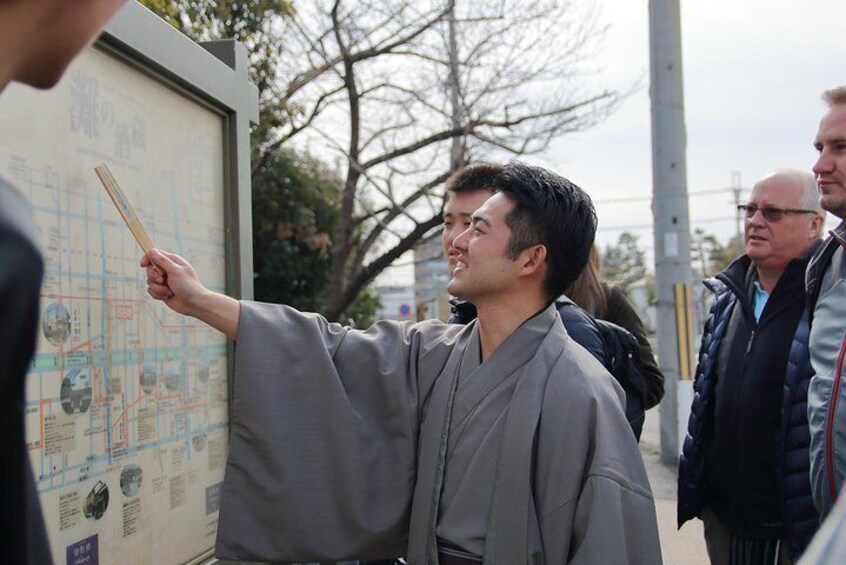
column 183, row 292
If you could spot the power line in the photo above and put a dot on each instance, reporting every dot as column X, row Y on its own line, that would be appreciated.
column 623, row 200
column 641, row 227
column 649, row 198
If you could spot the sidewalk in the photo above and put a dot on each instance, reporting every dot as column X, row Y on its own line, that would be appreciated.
column 679, row 547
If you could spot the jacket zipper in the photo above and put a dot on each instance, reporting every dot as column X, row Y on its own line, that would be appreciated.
column 749, row 317
column 829, row 428
column 737, row 461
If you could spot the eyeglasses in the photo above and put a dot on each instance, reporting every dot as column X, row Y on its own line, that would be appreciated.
column 770, row 213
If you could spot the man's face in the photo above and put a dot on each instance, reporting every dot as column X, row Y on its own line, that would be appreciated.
column 481, row 265
column 69, row 28
column 457, row 211
column 772, row 245
column 830, row 167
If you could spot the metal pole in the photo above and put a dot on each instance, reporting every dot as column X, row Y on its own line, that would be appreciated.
column 736, row 187
column 670, row 209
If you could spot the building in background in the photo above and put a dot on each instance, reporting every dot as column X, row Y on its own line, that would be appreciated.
column 430, row 280
column 397, row 303
column 638, row 293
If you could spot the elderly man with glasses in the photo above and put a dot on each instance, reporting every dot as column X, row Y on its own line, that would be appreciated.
column 744, row 468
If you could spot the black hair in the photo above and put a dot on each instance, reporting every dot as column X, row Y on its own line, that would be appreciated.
column 473, row 178
column 549, row 210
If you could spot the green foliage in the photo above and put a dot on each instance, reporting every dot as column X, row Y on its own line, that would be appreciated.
column 252, row 22
column 295, row 209
column 169, row 11
column 721, row 258
column 709, row 256
column 623, row 264
column 363, row 309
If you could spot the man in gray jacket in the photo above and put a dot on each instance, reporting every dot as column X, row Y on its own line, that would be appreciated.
column 827, row 298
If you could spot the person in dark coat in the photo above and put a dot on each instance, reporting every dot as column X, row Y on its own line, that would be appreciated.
column 744, row 468
column 609, row 302
column 38, row 39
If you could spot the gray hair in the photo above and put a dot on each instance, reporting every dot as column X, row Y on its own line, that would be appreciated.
column 810, row 193
column 810, row 199
column 835, row 96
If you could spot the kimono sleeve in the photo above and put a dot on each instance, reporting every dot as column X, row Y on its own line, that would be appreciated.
column 323, row 438
column 594, row 500
column 614, row 523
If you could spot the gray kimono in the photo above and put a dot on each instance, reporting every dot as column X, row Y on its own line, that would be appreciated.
column 385, row 442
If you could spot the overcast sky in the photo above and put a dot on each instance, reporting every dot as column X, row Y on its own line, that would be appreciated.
column 753, row 74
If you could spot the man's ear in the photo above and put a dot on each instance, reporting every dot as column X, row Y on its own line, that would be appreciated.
column 815, row 227
column 533, row 259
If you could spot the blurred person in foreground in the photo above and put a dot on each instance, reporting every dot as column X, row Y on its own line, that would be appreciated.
column 38, row 39
column 744, row 465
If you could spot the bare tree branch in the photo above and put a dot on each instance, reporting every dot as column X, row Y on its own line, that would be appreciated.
column 394, row 212
column 366, row 273
column 315, row 112
column 399, row 91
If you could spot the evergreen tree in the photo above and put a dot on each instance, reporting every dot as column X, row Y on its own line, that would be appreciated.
column 624, row 263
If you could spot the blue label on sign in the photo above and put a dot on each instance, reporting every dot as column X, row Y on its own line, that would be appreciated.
column 213, row 498
column 405, row 309
column 85, row 552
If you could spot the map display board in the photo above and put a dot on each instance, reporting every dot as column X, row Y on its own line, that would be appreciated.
column 126, row 413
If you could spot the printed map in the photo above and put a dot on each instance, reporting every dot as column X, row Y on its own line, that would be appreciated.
column 127, row 403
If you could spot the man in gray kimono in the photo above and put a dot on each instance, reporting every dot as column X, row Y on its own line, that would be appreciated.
column 495, row 442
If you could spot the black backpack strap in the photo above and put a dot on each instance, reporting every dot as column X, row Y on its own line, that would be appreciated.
column 625, row 366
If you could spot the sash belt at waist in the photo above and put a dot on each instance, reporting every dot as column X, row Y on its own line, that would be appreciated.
column 449, row 556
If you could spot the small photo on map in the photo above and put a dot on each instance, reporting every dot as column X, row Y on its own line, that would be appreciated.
column 56, row 324
column 130, row 480
column 173, row 376
column 199, row 441
column 96, row 502
column 76, row 394
column 205, row 371
column 148, row 378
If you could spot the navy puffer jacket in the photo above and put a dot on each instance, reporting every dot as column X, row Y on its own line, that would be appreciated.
column 801, row 517
column 792, row 443
column 691, row 494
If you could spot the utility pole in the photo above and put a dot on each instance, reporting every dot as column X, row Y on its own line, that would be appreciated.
column 736, row 187
column 673, row 273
